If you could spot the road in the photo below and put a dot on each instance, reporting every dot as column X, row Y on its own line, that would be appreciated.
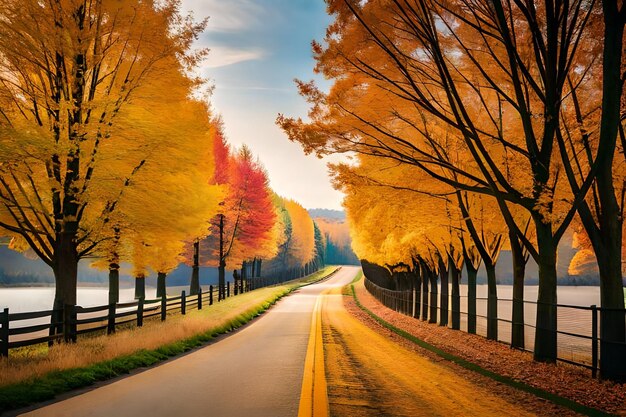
column 368, row 374
column 257, row 371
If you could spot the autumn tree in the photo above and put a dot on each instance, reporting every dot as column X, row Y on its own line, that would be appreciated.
column 411, row 75
column 591, row 141
column 244, row 227
column 278, row 264
column 77, row 78
column 297, row 244
column 397, row 223
column 302, row 240
column 172, row 197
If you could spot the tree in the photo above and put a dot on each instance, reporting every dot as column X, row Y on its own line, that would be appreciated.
column 77, row 80
column 588, row 144
column 302, row 240
column 320, row 247
column 411, row 77
column 244, row 228
column 164, row 217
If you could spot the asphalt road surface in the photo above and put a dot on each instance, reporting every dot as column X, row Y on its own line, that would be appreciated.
column 257, row 371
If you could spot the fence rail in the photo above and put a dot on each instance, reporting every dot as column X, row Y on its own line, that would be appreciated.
column 578, row 336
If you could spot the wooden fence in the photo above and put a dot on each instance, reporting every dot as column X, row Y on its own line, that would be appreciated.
column 81, row 320
column 578, row 336
column 18, row 329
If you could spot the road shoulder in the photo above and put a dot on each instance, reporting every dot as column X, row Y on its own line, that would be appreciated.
column 416, row 335
column 372, row 371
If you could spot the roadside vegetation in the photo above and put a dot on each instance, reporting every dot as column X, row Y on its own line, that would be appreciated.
column 39, row 373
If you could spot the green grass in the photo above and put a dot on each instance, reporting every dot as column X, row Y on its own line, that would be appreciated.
column 346, row 289
column 562, row 401
column 44, row 388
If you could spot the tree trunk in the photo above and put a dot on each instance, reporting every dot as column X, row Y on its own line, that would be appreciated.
column 519, row 270
column 424, row 275
column 443, row 276
column 607, row 247
column 418, row 292
column 114, row 283
column 194, row 287
column 545, row 333
column 66, row 276
column 221, row 281
column 612, row 315
column 140, row 287
column 471, row 297
column 433, row 297
column 456, row 296
column 492, row 302
column 161, row 287
column 612, row 320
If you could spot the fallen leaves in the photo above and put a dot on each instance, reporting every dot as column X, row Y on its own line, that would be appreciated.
column 568, row 381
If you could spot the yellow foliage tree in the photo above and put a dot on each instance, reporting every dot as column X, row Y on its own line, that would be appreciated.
column 78, row 84
column 302, row 246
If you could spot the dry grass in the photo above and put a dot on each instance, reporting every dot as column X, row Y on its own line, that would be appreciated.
column 38, row 361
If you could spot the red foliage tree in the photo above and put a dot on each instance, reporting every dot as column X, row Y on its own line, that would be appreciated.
column 245, row 226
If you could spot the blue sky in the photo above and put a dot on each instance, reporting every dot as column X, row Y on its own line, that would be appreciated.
column 257, row 48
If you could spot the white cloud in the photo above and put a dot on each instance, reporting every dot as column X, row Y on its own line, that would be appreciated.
column 222, row 56
column 226, row 15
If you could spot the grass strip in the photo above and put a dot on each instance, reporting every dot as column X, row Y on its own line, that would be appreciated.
column 45, row 388
column 557, row 399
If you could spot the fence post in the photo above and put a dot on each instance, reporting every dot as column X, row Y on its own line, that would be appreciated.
column 228, row 289
column 111, row 319
column 163, row 307
column 4, row 320
column 140, row 312
column 200, row 299
column 594, row 340
column 183, row 303
column 56, row 324
column 69, row 323
column 210, row 295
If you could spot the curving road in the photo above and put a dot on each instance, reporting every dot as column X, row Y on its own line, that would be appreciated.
column 257, row 371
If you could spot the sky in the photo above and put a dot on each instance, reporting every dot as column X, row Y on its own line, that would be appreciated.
column 257, row 48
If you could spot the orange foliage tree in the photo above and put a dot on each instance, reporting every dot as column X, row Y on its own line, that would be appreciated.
column 415, row 82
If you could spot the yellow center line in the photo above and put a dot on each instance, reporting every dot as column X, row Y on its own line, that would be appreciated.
column 314, row 395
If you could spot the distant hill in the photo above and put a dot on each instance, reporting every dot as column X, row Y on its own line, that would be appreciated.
column 16, row 268
column 327, row 214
